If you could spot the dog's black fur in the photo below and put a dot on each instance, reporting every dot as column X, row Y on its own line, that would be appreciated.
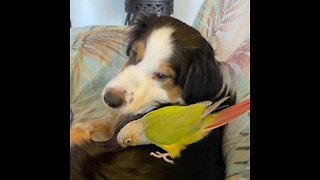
column 200, row 78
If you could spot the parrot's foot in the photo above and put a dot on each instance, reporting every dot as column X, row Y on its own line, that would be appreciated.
column 162, row 155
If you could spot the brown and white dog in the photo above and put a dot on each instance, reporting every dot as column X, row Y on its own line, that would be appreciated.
column 169, row 63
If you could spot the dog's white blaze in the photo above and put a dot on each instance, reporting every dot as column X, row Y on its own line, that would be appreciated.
column 138, row 80
column 159, row 48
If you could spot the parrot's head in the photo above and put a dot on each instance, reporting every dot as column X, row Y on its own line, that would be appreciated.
column 132, row 134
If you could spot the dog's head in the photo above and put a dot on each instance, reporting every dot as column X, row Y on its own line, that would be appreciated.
column 169, row 62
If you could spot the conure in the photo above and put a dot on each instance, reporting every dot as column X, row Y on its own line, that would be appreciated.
column 172, row 128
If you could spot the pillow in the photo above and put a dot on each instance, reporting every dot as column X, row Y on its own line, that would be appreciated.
column 97, row 53
column 226, row 26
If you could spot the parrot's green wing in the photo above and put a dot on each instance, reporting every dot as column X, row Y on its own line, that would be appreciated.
column 169, row 124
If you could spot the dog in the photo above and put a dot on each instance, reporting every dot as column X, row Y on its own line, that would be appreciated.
column 169, row 63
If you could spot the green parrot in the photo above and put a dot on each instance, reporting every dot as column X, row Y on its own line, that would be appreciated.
column 172, row 128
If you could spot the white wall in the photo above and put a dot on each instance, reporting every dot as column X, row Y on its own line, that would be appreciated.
column 97, row 12
column 111, row 12
column 186, row 10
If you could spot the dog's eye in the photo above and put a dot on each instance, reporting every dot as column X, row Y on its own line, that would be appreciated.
column 159, row 76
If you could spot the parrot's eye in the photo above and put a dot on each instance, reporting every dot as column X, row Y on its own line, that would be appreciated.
column 128, row 141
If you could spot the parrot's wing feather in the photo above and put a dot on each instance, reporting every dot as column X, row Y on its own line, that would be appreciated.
column 225, row 116
column 212, row 107
column 205, row 103
column 169, row 124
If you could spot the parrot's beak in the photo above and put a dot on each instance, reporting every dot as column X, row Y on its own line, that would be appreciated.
column 123, row 145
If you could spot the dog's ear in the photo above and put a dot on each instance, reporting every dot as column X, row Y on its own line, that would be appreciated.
column 199, row 75
column 203, row 77
column 139, row 29
column 142, row 25
column 137, row 32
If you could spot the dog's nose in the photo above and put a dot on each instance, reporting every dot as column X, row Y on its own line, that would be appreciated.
column 114, row 98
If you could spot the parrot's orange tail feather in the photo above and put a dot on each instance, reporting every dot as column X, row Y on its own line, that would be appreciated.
column 225, row 116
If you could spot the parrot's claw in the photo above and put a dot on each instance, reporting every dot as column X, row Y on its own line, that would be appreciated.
column 162, row 155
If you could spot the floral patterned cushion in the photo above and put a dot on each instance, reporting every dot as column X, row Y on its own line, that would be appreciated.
column 97, row 54
column 226, row 25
